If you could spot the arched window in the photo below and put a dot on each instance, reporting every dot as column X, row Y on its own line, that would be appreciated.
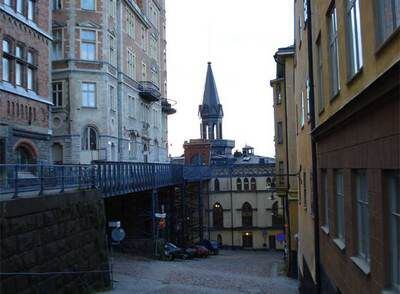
column 218, row 216
column 269, row 183
column 246, row 184
column 89, row 139
column 57, row 150
column 247, row 215
column 238, row 184
column 216, row 185
column 253, row 184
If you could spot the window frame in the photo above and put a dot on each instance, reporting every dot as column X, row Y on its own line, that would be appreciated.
column 84, row 46
column 333, row 50
column 88, row 105
column 381, row 37
column 57, row 43
column 57, row 94
column 340, row 206
column 87, row 139
column 86, row 7
column 353, row 38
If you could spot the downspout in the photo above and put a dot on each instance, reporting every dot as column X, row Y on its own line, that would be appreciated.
column 313, row 149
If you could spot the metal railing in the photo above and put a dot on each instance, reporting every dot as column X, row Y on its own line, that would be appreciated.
column 111, row 178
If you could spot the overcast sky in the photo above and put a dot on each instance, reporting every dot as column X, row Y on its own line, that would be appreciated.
column 240, row 39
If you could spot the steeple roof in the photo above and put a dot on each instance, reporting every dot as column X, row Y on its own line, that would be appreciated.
column 211, row 105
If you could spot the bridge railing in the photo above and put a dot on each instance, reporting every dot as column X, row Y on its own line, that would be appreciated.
column 114, row 178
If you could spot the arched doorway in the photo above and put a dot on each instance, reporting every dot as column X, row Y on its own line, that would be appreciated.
column 218, row 216
column 24, row 154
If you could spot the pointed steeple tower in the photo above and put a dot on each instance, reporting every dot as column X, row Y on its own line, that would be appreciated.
column 210, row 111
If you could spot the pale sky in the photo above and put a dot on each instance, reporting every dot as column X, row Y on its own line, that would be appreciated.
column 240, row 39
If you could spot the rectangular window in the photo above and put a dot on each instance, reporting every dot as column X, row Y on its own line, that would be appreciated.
column 143, row 38
column 320, row 80
column 308, row 98
column 112, row 8
column 6, row 62
column 362, row 215
column 302, row 114
column 20, row 6
column 388, row 18
column 19, row 73
column 305, row 10
column 88, row 94
column 113, row 102
column 279, row 133
column 393, row 188
column 340, row 231
column 113, row 51
column 31, row 9
column 56, row 4
column 354, row 46
column 333, row 52
column 88, row 45
column 57, row 44
column 7, row 2
column 278, row 94
column 131, row 106
column 325, row 196
column 130, row 23
column 154, row 76
column 31, row 71
column 144, row 71
column 131, row 64
column 57, row 94
column 88, row 4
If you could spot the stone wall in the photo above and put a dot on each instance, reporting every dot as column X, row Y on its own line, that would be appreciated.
column 60, row 233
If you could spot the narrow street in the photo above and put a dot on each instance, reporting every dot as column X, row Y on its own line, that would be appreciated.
column 228, row 272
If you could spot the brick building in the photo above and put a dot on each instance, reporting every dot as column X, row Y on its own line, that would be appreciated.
column 24, row 81
column 109, row 81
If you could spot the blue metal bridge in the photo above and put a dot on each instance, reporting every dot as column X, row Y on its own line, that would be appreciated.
column 111, row 178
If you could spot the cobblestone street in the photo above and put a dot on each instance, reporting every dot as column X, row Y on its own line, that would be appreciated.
column 229, row 272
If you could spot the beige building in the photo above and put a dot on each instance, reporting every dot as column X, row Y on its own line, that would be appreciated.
column 109, row 81
column 286, row 168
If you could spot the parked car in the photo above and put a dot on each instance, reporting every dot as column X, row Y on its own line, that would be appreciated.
column 172, row 251
column 212, row 246
column 201, row 251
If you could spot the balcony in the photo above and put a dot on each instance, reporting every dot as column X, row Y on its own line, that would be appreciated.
column 149, row 91
column 167, row 106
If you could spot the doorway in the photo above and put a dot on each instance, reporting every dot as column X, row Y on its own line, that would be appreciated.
column 247, row 239
column 272, row 242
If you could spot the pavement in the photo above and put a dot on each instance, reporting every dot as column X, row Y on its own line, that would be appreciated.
column 229, row 272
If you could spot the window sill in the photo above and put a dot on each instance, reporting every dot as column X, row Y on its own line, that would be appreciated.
column 361, row 264
column 354, row 76
column 89, row 107
column 339, row 243
column 334, row 96
column 325, row 229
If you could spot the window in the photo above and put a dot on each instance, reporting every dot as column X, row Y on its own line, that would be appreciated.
column 20, row 6
column 362, row 215
column 7, row 2
column 113, row 51
column 132, row 148
column 238, row 184
column 325, row 197
column 89, row 139
column 354, row 46
column 247, row 215
column 113, row 102
column 154, row 76
column 281, row 172
column 88, row 94
column 333, row 52
column 388, row 18
column 144, row 71
column 88, row 45
column 216, row 185
column 130, row 23
column 320, row 80
column 218, row 216
column 57, row 52
column 31, row 71
column 305, row 190
column 57, row 94
column 131, row 64
column 308, row 98
column 88, row 4
column 153, row 13
column 246, row 184
column 131, row 106
column 31, row 9
column 278, row 94
column 302, row 114
column 305, row 11
column 154, row 47
column 112, row 8
column 253, row 184
column 143, row 38
column 19, row 66
column 394, row 228
column 57, row 4
column 6, row 61
column 300, row 28
column 340, row 231
column 279, row 132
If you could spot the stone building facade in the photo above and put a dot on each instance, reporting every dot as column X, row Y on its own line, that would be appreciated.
column 24, row 81
column 286, row 168
column 109, row 81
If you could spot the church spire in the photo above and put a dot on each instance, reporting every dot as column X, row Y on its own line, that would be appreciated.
column 210, row 111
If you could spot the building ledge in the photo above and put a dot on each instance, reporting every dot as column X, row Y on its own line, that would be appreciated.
column 325, row 229
column 7, row 87
column 31, row 24
column 339, row 243
column 361, row 264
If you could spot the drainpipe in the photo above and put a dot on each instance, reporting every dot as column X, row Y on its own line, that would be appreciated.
column 313, row 149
